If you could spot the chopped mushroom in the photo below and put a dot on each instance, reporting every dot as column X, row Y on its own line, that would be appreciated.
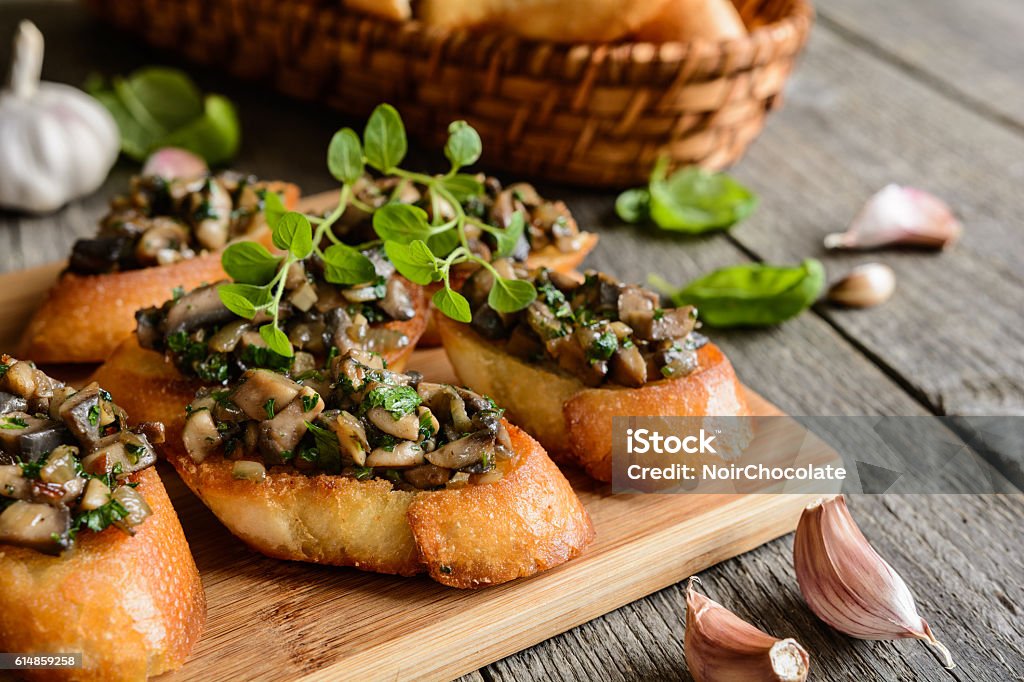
column 261, row 386
column 283, row 432
column 405, row 454
column 34, row 525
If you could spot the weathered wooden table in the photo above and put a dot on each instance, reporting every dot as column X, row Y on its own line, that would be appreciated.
column 922, row 92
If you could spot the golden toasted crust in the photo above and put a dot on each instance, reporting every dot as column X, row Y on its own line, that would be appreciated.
column 396, row 10
column 528, row 521
column 548, row 257
column 575, row 422
column 85, row 317
column 155, row 390
column 134, row 605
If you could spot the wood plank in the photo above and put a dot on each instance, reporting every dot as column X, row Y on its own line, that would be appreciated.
column 954, row 332
column 971, row 51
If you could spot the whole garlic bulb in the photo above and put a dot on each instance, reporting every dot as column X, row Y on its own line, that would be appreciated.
column 56, row 142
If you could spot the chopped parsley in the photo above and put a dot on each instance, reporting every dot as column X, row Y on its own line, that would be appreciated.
column 94, row 415
column 268, row 408
column 3, row 369
column 328, row 450
column 135, row 452
column 11, row 423
column 255, row 356
column 603, row 347
column 397, row 400
column 445, row 569
column 659, row 313
column 668, row 371
column 555, row 300
column 31, row 469
column 177, row 292
column 426, row 426
column 309, row 402
column 363, row 473
column 101, row 518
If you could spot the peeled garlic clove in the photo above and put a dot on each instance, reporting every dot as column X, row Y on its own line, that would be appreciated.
column 867, row 285
column 848, row 585
column 172, row 163
column 899, row 215
column 722, row 647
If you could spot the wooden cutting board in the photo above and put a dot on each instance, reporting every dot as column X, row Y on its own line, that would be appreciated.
column 283, row 620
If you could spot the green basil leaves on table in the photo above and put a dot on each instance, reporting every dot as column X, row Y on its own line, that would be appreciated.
column 691, row 200
column 750, row 295
column 159, row 107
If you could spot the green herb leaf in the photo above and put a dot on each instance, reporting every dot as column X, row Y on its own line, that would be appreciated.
column 384, row 138
column 326, row 442
column 294, row 233
column 752, row 294
column 345, row 156
column 276, row 339
column 11, row 423
column 397, row 400
column 463, row 147
column 346, row 265
column 415, row 261
column 463, row 186
column 401, row 223
column 309, row 402
column 511, row 295
column 634, row 205
column 249, row 263
column 273, row 208
column 243, row 300
column 452, row 304
column 160, row 99
column 693, row 200
column 268, row 407
column 215, row 136
column 509, row 237
column 443, row 243
column 101, row 518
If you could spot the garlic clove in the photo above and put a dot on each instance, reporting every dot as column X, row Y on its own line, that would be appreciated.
column 899, row 215
column 848, row 585
column 173, row 163
column 866, row 285
column 722, row 647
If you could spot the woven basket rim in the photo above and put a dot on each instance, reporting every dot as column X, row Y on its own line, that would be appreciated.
column 699, row 57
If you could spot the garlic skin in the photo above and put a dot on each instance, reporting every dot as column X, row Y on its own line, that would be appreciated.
column 174, row 163
column 866, row 285
column 900, row 215
column 56, row 142
column 848, row 585
column 722, row 647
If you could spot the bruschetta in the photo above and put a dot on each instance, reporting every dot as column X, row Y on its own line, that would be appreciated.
column 584, row 351
column 194, row 340
column 165, row 234
column 93, row 559
column 381, row 471
column 551, row 239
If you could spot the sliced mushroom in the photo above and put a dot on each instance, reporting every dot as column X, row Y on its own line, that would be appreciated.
column 13, row 483
column 636, row 306
column 200, row 436
column 84, row 414
column 351, row 437
column 463, row 452
column 283, row 433
column 30, row 442
column 227, row 337
column 404, row 454
column 12, row 403
column 258, row 387
column 628, row 367
column 211, row 210
column 34, row 525
column 406, row 428
column 164, row 234
column 199, row 308
column 60, row 465
column 136, row 506
column 246, row 470
column 19, row 379
column 397, row 302
column 427, row 476
column 96, row 495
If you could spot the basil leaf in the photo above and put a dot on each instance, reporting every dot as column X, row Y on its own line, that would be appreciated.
column 511, row 295
column 345, row 156
column 273, row 208
column 346, row 265
column 634, row 205
column 452, row 304
column 693, row 200
column 463, row 186
column 215, row 136
column 463, row 147
column 243, row 299
column 509, row 237
column 276, row 340
column 443, row 243
column 295, row 234
column 401, row 223
column 249, row 263
column 415, row 261
column 753, row 294
column 384, row 138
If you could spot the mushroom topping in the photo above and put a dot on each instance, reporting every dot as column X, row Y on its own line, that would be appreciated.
column 373, row 423
column 65, row 463
column 598, row 330
column 198, row 308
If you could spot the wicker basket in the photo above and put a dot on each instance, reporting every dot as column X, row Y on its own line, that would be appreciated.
column 584, row 114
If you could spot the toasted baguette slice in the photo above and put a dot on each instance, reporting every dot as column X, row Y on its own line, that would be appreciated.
column 528, row 521
column 85, row 317
column 132, row 605
column 549, row 257
column 572, row 421
column 157, row 391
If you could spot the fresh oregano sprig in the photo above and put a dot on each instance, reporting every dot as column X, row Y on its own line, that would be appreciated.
column 423, row 250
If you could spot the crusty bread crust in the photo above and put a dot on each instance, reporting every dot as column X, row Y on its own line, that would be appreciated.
column 573, row 421
column 85, row 317
column 133, row 605
column 549, row 257
column 156, row 391
column 528, row 521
